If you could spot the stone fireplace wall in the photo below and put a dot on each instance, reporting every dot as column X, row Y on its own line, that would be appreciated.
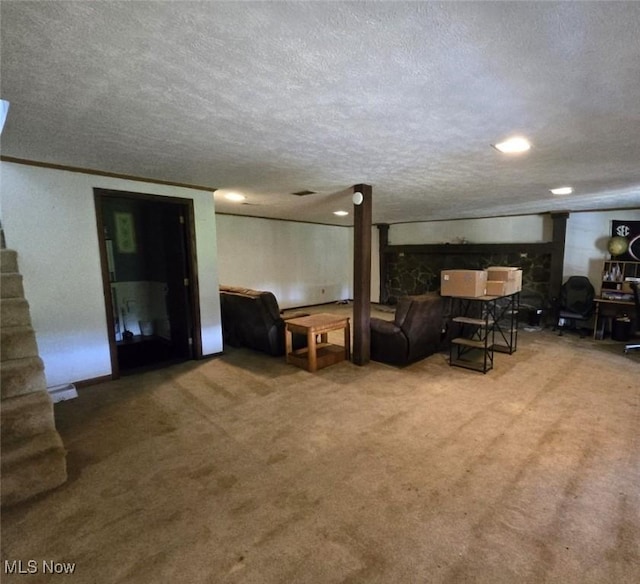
column 410, row 273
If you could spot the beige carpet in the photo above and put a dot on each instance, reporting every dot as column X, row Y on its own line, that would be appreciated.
column 245, row 469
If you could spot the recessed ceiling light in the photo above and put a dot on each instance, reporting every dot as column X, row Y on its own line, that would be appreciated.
column 235, row 197
column 513, row 145
column 562, row 191
column 341, row 213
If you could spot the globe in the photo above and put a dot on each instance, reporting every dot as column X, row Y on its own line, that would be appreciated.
column 617, row 245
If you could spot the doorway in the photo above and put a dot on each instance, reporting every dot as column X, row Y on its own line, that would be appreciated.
column 147, row 252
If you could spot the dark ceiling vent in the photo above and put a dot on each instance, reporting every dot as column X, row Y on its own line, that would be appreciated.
column 304, row 193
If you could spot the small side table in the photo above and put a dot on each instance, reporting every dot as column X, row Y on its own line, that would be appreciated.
column 317, row 355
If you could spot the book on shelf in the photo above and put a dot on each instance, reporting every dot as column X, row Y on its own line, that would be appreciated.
column 617, row 295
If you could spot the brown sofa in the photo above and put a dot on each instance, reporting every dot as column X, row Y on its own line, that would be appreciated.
column 252, row 319
column 415, row 332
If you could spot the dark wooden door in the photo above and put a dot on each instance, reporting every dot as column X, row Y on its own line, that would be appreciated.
column 165, row 252
column 179, row 282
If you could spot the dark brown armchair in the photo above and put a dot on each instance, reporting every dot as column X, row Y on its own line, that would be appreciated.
column 252, row 319
column 415, row 332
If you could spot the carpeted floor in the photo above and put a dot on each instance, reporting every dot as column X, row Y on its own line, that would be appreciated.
column 244, row 469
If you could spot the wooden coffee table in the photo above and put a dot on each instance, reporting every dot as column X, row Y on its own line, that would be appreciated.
column 317, row 355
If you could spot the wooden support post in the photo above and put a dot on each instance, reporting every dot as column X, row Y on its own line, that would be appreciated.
column 557, row 255
column 362, row 217
column 383, row 242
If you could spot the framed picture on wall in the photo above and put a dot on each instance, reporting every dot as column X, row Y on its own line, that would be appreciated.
column 125, row 233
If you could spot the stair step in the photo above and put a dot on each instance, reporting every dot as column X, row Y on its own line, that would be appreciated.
column 21, row 376
column 8, row 260
column 14, row 312
column 17, row 342
column 24, row 416
column 11, row 285
column 32, row 466
column 33, row 457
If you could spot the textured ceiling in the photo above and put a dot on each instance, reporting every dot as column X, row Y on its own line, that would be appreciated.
column 270, row 98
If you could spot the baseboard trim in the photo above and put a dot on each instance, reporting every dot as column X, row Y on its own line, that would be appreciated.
column 93, row 381
column 62, row 392
column 104, row 378
column 210, row 356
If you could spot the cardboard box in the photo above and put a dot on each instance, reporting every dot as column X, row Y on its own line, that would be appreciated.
column 496, row 288
column 512, row 277
column 471, row 283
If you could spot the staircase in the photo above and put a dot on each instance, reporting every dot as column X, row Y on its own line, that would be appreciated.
column 33, row 459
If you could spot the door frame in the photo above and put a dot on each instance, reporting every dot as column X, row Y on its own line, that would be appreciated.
column 99, row 195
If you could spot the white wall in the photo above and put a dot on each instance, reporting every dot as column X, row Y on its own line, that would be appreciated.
column 301, row 263
column 586, row 242
column 49, row 217
column 517, row 229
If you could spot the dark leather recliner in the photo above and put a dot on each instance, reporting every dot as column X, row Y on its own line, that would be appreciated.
column 251, row 318
column 415, row 332
column 575, row 305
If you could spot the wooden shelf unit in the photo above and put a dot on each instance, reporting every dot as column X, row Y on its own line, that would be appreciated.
column 473, row 347
column 505, row 315
column 488, row 324
column 616, row 296
column 614, row 277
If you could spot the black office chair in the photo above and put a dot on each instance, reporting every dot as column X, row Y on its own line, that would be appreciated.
column 636, row 297
column 575, row 304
